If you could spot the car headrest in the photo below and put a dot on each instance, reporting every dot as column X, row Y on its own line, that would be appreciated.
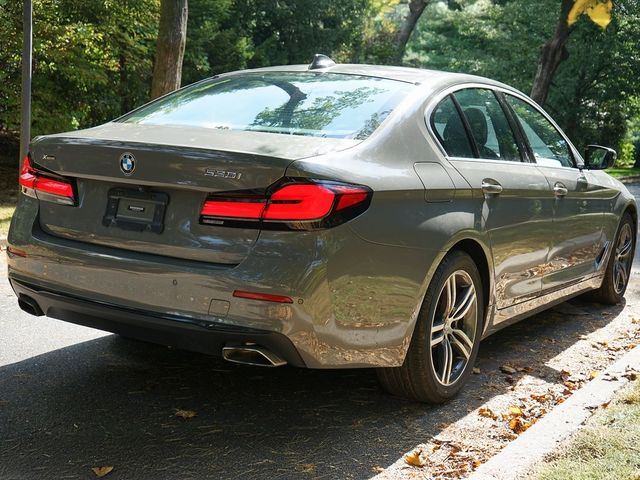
column 478, row 123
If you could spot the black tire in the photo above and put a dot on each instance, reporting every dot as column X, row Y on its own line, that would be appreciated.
column 417, row 379
column 613, row 285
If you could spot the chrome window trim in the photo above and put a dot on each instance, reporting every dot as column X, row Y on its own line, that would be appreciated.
column 440, row 95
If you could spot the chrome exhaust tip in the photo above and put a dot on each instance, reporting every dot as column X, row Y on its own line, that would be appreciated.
column 252, row 355
column 29, row 305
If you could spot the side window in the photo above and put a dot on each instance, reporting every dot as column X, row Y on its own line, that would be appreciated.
column 489, row 125
column 549, row 147
column 450, row 130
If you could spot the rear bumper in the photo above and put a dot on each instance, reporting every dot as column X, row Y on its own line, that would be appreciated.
column 180, row 332
column 354, row 302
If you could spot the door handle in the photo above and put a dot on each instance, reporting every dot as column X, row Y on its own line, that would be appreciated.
column 560, row 190
column 491, row 187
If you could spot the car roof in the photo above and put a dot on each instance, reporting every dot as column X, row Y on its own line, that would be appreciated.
column 403, row 74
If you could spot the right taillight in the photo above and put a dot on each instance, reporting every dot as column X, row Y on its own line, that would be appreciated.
column 37, row 185
column 293, row 205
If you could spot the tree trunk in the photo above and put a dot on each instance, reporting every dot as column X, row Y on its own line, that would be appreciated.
column 416, row 7
column 172, row 37
column 552, row 54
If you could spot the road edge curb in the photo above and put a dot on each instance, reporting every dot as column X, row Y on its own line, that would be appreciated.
column 520, row 457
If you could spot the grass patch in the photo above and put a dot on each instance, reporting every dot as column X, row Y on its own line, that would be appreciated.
column 623, row 172
column 6, row 211
column 607, row 448
column 8, row 194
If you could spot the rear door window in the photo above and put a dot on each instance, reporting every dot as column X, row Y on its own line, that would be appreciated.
column 488, row 124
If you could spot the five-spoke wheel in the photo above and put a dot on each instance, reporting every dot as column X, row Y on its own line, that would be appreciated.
column 445, row 342
column 453, row 327
column 618, row 269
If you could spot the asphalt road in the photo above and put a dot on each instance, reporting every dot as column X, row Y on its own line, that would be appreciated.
column 73, row 398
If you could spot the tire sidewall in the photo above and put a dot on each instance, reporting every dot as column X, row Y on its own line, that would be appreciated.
column 609, row 278
column 453, row 262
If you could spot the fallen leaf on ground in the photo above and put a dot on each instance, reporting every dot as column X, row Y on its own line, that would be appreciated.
column 508, row 369
column 487, row 413
column 476, row 463
column 476, row 370
column 309, row 468
column 518, row 426
column 102, row 471
column 540, row 398
column 593, row 374
column 186, row 414
column 570, row 386
column 515, row 411
column 413, row 458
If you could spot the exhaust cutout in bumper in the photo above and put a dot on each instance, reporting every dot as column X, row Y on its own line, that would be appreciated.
column 252, row 355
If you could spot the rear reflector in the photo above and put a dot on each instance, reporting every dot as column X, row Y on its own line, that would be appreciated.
column 16, row 252
column 329, row 203
column 34, row 184
column 262, row 296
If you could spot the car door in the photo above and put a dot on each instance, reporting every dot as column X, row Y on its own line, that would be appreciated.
column 513, row 195
column 578, row 209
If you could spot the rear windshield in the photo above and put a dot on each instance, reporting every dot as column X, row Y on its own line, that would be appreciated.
column 313, row 104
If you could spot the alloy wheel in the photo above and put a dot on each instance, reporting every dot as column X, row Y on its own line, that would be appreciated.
column 454, row 327
column 622, row 261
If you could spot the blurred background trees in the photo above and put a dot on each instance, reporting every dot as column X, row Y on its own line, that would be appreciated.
column 94, row 60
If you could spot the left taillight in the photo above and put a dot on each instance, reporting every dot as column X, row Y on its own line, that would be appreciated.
column 294, row 204
column 43, row 186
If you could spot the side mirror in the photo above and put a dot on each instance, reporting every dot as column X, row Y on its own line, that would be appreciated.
column 598, row 157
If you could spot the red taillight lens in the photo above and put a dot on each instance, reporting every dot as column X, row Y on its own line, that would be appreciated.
column 44, row 188
column 233, row 208
column 299, row 203
column 291, row 203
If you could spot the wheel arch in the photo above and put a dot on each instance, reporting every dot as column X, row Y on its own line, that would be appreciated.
column 473, row 244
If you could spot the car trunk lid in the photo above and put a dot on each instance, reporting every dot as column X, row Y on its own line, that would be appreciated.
column 156, row 207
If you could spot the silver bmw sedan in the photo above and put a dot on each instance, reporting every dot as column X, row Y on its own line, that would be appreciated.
column 322, row 216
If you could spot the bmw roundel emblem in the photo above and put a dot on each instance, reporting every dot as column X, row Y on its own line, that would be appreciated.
column 127, row 163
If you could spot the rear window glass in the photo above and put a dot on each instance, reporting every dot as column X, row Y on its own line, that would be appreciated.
column 313, row 104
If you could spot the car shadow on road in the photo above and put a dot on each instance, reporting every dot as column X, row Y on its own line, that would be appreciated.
column 112, row 401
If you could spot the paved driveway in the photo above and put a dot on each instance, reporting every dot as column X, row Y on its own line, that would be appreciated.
column 73, row 398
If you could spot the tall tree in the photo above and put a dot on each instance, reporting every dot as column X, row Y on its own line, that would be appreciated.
column 554, row 51
column 408, row 25
column 172, row 38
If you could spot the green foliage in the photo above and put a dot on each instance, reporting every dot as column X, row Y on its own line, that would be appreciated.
column 226, row 35
column 627, row 155
column 591, row 96
column 93, row 58
column 89, row 64
column 499, row 40
column 593, row 91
